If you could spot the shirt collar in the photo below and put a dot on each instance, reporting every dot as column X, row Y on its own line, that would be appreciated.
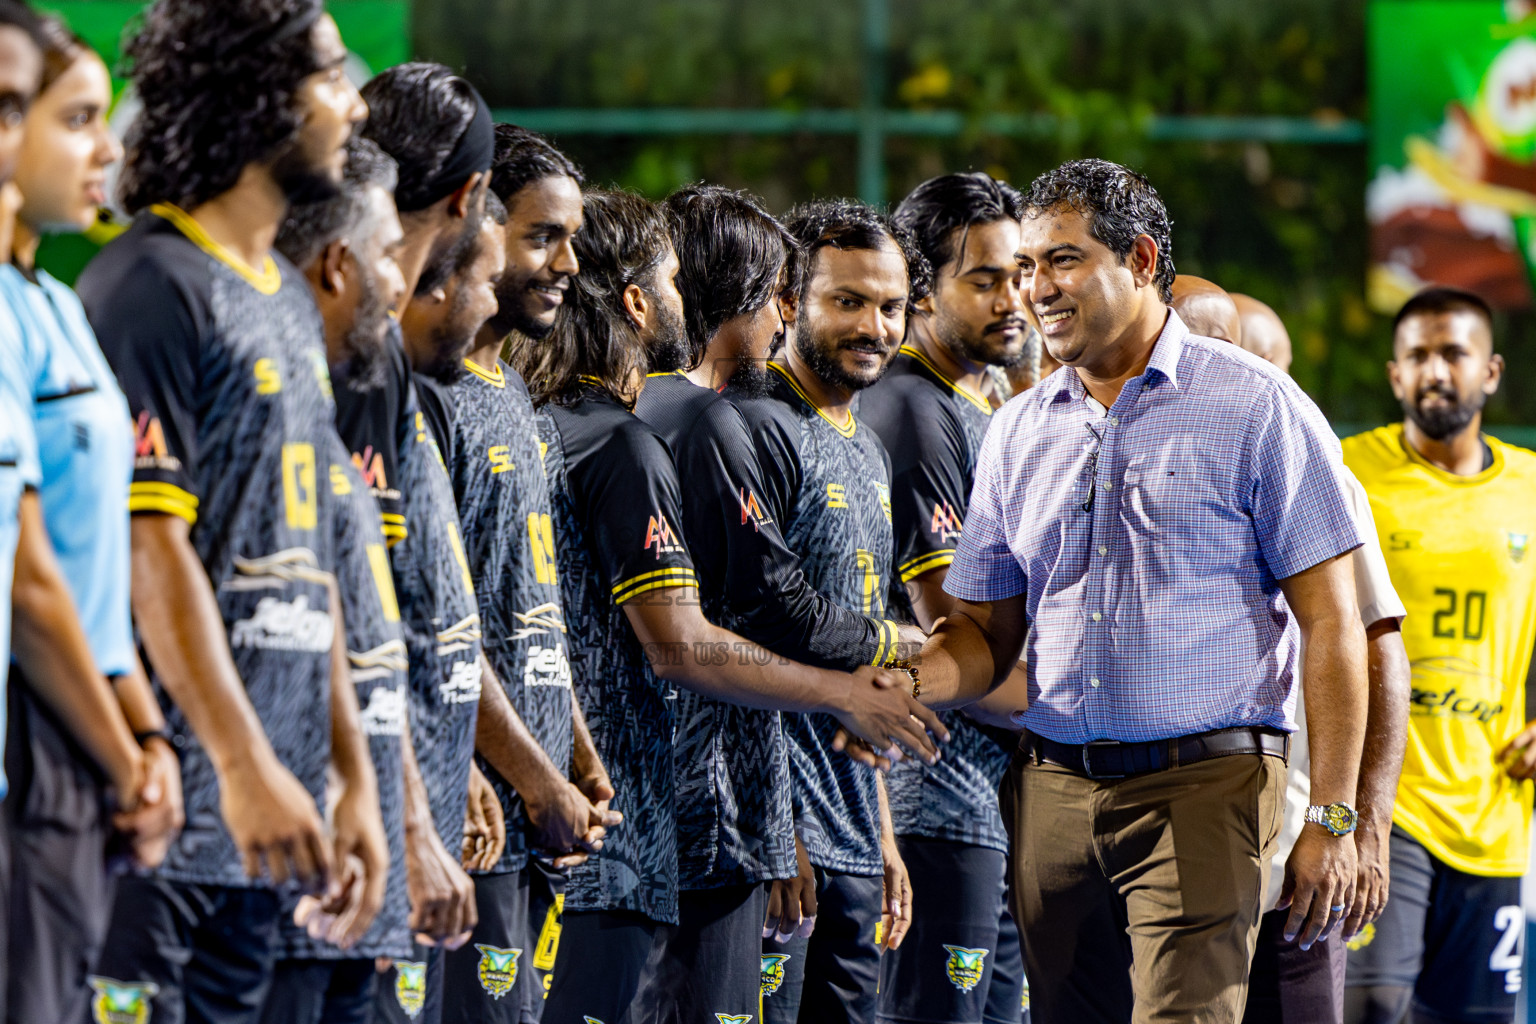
column 1164, row 363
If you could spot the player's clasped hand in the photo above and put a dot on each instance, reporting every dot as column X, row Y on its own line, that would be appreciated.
column 1319, row 885
column 1518, row 756
column 568, row 823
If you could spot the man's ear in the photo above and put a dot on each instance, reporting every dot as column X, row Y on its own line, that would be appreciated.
column 924, row 305
column 332, row 264
column 637, row 306
column 789, row 307
column 458, row 203
column 1393, row 380
column 1143, row 260
column 1495, row 374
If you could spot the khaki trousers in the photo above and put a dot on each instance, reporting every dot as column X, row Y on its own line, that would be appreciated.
column 1139, row 899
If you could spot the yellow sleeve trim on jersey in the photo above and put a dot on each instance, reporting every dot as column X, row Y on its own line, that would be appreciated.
column 887, row 646
column 635, row 587
column 149, row 496
column 915, row 567
column 394, row 528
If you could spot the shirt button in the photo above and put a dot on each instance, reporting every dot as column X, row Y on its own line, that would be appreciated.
column 1108, row 486
column 1103, row 550
column 1097, row 616
column 1114, row 421
column 1094, row 682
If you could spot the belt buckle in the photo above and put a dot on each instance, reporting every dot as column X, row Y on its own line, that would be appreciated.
column 1088, row 769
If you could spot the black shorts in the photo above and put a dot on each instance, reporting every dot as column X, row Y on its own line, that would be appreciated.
column 943, row 971
column 598, row 973
column 1288, row 983
column 185, row 954
column 320, row 992
column 708, row 967
column 494, row 978
column 1456, row 939
column 62, row 894
column 832, row 977
column 411, row 991
column 1008, row 995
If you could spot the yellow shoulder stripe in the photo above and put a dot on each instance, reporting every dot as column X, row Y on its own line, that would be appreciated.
column 915, row 567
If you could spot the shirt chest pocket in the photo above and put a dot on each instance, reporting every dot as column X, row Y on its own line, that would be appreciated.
column 1176, row 493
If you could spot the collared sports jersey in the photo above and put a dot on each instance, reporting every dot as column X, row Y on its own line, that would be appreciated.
column 376, row 654
column 376, row 420
column 617, row 515
column 932, row 430
column 498, row 478
column 827, row 486
column 85, row 450
column 439, row 618
column 1458, row 549
column 18, row 467
column 733, row 803
column 224, row 370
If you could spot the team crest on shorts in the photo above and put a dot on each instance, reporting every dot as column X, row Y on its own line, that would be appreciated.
column 1361, row 940
column 773, row 972
column 498, row 969
column 121, row 1002
column 590, row 1020
column 732, row 1018
column 964, row 966
column 410, row 986
column 1519, row 543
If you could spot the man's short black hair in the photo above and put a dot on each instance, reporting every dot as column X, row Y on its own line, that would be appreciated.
column 1437, row 299
column 941, row 210
column 418, row 112
column 310, row 227
column 850, row 224
column 523, row 157
column 1120, row 204
column 217, row 80
column 730, row 255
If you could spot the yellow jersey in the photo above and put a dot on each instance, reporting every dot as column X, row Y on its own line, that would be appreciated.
column 1459, row 552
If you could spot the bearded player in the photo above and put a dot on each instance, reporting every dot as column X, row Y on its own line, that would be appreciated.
column 1454, row 513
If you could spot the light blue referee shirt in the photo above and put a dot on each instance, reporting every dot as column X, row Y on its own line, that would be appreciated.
column 18, row 469
column 1154, row 607
column 85, row 450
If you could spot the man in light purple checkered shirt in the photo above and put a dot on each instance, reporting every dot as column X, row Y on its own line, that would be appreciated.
column 1164, row 516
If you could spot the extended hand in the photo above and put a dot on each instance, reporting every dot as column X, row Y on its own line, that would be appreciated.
column 878, row 708
column 896, row 910
column 1518, row 756
column 1372, row 877
column 792, row 902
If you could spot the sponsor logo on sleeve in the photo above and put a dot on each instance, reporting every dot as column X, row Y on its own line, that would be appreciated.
column 149, row 450
column 384, row 714
column 944, row 524
column 1519, row 543
column 463, row 685
column 751, row 511
column 660, row 535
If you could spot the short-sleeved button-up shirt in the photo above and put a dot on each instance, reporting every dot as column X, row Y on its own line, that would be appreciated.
column 1149, row 540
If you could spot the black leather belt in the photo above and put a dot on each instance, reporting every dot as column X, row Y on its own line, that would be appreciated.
column 1111, row 759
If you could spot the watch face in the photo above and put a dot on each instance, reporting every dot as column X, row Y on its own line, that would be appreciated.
column 1339, row 819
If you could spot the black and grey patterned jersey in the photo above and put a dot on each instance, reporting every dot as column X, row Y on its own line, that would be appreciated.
column 438, row 616
column 376, row 419
column 224, row 370
column 616, row 507
column 376, row 653
column 932, row 430
column 826, row 485
column 733, row 802
column 498, row 478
